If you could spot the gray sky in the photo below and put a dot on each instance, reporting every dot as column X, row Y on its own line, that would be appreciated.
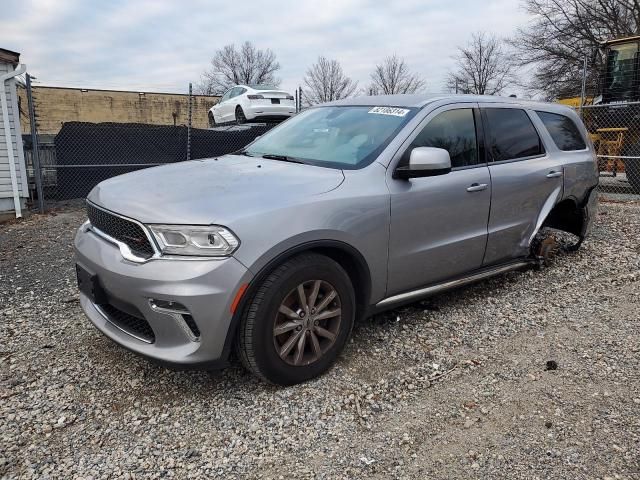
column 163, row 45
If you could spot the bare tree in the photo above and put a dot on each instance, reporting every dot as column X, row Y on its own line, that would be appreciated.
column 326, row 81
column 563, row 32
column 247, row 65
column 393, row 76
column 483, row 67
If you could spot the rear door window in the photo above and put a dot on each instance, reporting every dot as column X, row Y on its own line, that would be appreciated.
column 511, row 135
column 563, row 131
column 452, row 130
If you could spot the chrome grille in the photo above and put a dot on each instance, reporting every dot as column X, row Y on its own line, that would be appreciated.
column 121, row 229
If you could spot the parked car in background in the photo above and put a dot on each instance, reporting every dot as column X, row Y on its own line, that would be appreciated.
column 347, row 209
column 243, row 103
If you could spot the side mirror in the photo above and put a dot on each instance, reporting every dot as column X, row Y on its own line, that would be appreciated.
column 425, row 162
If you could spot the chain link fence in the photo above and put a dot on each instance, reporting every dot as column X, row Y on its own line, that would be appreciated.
column 74, row 156
column 82, row 154
column 88, row 153
column 615, row 132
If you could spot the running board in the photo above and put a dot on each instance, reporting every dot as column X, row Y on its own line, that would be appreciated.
column 425, row 292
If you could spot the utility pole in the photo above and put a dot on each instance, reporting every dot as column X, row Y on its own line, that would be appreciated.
column 35, row 154
column 189, row 126
column 583, row 90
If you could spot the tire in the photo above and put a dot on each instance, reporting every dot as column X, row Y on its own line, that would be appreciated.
column 240, row 117
column 632, row 165
column 260, row 348
column 212, row 120
column 632, row 169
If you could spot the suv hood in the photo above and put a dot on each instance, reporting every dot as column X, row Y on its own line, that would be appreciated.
column 212, row 190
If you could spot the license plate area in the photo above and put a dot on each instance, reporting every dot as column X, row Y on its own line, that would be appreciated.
column 89, row 284
column 275, row 100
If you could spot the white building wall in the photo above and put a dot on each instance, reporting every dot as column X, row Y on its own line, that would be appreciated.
column 6, row 190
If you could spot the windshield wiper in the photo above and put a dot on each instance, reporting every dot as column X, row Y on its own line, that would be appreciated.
column 282, row 158
column 243, row 152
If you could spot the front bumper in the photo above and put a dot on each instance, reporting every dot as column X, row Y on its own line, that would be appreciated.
column 205, row 287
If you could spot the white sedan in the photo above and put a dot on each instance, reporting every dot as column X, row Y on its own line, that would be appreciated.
column 256, row 102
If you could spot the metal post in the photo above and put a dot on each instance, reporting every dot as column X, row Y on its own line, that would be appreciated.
column 35, row 155
column 583, row 91
column 189, row 126
column 300, row 97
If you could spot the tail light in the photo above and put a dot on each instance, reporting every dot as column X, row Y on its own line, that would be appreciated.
column 255, row 97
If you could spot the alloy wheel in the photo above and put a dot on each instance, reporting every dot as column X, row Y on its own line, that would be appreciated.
column 307, row 322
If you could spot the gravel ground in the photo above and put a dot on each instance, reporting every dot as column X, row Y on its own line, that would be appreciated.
column 534, row 374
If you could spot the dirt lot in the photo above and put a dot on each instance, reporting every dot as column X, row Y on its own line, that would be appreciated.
column 458, row 386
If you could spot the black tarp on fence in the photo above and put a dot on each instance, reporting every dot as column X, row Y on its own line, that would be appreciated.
column 87, row 153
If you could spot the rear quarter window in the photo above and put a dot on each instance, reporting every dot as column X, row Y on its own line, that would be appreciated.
column 563, row 131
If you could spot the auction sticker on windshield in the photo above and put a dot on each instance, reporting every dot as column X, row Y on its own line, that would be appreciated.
column 396, row 112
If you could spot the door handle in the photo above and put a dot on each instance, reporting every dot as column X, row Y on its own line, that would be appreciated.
column 554, row 174
column 477, row 187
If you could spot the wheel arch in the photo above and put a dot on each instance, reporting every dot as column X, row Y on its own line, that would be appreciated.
column 346, row 255
column 566, row 215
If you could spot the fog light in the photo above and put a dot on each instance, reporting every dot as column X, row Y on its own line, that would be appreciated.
column 168, row 306
column 180, row 314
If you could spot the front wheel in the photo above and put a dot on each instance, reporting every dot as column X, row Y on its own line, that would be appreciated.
column 298, row 321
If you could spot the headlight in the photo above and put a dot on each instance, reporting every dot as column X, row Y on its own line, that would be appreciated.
column 207, row 241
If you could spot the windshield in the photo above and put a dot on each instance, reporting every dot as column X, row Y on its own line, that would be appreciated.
column 621, row 72
column 338, row 137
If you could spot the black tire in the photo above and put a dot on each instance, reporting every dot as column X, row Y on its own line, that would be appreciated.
column 212, row 120
column 255, row 341
column 240, row 117
column 632, row 165
column 632, row 169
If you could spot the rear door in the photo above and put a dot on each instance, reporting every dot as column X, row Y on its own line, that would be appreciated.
column 439, row 223
column 526, row 181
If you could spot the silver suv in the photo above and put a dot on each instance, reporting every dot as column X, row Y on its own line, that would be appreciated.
column 344, row 210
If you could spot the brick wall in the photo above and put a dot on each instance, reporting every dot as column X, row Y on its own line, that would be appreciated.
column 55, row 105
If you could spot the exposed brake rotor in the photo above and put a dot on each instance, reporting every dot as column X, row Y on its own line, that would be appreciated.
column 546, row 248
